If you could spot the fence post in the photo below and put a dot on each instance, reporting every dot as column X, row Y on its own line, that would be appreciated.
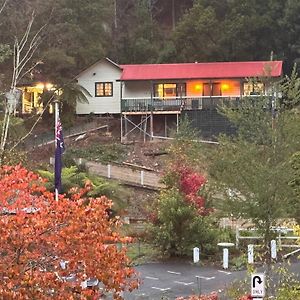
column 142, row 177
column 279, row 239
column 108, row 171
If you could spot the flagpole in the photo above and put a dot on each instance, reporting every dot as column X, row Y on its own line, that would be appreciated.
column 56, row 117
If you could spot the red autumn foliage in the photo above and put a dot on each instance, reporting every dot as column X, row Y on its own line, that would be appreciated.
column 190, row 184
column 37, row 233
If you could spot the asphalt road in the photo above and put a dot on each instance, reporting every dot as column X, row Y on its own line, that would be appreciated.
column 168, row 281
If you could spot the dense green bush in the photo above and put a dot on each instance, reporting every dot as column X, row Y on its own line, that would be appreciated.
column 177, row 227
column 181, row 217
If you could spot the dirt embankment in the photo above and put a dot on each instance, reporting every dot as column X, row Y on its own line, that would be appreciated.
column 150, row 155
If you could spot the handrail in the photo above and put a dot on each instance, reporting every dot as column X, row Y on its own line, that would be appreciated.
column 182, row 97
column 175, row 103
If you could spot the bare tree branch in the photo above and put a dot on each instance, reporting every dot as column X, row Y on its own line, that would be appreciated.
column 30, row 69
column 24, row 39
column 22, row 59
column 25, row 61
column 39, row 117
column 3, row 6
column 34, row 124
column 24, row 49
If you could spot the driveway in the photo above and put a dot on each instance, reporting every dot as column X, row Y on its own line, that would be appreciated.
column 171, row 280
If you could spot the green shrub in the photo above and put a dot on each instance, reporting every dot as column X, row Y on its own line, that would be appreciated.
column 289, row 292
column 177, row 227
column 73, row 177
column 239, row 262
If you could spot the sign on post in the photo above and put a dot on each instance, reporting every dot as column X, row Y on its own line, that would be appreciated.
column 196, row 254
column 258, row 285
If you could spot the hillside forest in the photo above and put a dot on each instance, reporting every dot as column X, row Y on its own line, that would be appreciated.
column 73, row 34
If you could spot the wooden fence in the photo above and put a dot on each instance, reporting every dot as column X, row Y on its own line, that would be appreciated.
column 127, row 175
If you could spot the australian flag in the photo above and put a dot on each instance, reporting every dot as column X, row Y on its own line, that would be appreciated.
column 59, row 149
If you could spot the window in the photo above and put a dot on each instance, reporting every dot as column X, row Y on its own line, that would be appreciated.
column 253, row 88
column 169, row 90
column 103, row 89
column 212, row 89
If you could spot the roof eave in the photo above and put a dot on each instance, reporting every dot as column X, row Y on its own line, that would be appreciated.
column 98, row 61
column 198, row 78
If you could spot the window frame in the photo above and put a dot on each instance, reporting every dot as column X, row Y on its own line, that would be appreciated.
column 177, row 84
column 254, row 88
column 103, row 88
column 213, row 92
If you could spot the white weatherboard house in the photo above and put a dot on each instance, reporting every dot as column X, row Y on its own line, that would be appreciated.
column 101, row 80
column 147, row 94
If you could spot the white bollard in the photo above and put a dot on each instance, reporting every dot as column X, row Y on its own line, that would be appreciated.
column 142, row 177
column 273, row 249
column 108, row 171
column 250, row 254
column 196, row 254
column 225, row 258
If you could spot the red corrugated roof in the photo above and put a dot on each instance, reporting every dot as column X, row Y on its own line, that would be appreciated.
column 202, row 70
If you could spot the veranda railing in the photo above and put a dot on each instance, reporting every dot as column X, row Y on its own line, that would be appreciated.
column 175, row 103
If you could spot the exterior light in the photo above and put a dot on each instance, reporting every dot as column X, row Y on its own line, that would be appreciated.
column 198, row 87
column 225, row 87
column 40, row 86
column 49, row 86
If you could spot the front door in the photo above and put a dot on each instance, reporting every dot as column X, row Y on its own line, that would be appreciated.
column 216, row 89
column 206, row 89
column 212, row 89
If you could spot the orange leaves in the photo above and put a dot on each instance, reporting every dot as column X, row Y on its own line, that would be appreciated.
column 37, row 233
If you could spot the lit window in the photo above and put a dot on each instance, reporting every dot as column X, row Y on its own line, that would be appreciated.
column 253, row 88
column 103, row 89
column 169, row 90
